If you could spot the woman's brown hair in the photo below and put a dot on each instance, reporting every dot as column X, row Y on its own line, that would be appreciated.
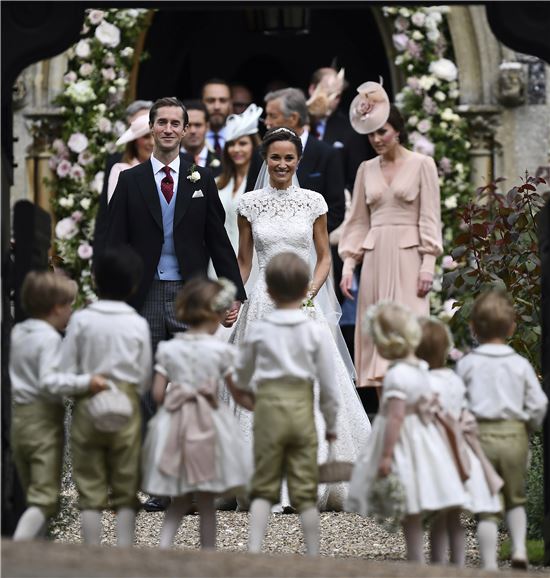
column 228, row 166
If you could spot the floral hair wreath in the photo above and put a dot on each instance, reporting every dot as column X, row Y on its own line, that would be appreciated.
column 224, row 299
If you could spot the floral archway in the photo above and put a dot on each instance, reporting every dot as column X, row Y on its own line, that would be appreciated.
column 93, row 102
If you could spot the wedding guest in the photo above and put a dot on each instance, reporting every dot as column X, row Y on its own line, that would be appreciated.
column 216, row 96
column 193, row 143
column 110, row 338
column 405, row 441
column 281, row 358
column 207, row 457
column 394, row 224
column 505, row 396
column 139, row 146
column 241, row 97
column 38, row 387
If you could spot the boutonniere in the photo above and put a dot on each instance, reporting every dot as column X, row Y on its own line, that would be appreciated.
column 193, row 175
column 215, row 163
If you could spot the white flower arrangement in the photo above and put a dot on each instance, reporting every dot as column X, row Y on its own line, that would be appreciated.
column 193, row 175
column 225, row 298
column 108, row 34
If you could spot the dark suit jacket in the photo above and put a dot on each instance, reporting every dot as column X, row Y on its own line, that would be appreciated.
column 210, row 158
column 135, row 219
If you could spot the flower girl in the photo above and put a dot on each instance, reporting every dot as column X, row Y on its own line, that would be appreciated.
column 405, row 445
column 483, row 482
column 193, row 447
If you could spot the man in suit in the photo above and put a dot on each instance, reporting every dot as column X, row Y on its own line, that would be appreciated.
column 216, row 96
column 320, row 168
column 193, row 144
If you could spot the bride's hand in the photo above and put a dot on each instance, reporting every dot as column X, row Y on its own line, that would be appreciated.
column 232, row 314
column 346, row 284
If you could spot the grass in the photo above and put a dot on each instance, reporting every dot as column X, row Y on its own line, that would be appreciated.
column 535, row 551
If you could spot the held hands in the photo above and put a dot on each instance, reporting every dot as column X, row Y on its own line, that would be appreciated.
column 384, row 467
column 424, row 285
column 330, row 436
column 232, row 314
column 98, row 383
column 346, row 284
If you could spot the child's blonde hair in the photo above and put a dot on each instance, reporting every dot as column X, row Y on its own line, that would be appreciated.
column 203, row 300
column 394, row 328
column 43, row 290
column 493, row 315
column 287, row 277
column 436, row 342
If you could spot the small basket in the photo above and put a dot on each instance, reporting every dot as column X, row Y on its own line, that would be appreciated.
column 110, row 410
column 333, row 471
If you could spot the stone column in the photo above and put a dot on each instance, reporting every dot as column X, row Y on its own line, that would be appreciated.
column 483, row 120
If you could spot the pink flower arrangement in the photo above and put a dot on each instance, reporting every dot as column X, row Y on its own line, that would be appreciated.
column 63, row 169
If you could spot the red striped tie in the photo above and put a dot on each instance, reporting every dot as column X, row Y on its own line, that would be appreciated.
column 167, row 185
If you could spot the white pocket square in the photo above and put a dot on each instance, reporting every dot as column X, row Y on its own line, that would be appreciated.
column 197, row 194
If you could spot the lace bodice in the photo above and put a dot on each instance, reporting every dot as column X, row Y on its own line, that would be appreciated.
column 282, row 220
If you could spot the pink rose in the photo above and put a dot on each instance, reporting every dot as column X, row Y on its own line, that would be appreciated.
column 78, row 142
column 77, row 216
column 423, row 145
column 108, row 73
column 400, row 41
column 448, row 262
column 63, row 168
column 85, row 158
column 77, row 172
column 85, row 251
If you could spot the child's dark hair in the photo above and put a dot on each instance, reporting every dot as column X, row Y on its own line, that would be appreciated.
column 117, row 273
column 287, row 277
column 280, row 134
column 493, row 315
column 43, row 290
column 203, row 300
column 435, row 343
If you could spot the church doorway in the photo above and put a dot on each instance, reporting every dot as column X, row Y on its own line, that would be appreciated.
column 263, row 48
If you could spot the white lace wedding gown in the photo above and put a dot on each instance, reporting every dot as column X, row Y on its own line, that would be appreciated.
column 282, row 220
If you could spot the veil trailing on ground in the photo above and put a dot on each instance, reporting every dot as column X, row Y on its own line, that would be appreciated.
column 325, row 299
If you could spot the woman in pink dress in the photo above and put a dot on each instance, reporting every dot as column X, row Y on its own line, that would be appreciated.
column 394, row 225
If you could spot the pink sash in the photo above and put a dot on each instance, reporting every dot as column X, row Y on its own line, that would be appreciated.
column 192, row 437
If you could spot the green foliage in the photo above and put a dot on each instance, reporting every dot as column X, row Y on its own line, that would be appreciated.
column 535, row 551
column 497, row 247
column 535, row 489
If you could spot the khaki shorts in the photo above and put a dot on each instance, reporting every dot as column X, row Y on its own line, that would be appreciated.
column 285, row 443
column 106, row 466
column 506, row 444
column 37, row 444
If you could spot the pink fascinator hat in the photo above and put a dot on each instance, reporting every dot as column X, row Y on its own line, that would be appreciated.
column 246, row 123
column 139, row 127
column 370, row 109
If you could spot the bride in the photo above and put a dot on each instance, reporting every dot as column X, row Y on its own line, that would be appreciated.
column 283, row 217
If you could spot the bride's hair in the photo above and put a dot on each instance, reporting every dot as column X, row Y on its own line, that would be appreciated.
column 394, row 328
column 280, row 134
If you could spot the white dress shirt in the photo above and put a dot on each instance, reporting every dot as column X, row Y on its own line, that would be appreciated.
column 502, row 385
column 110, row 338
column 35, row 360
column 303, row 137
column 160, row 174
column 288, row 344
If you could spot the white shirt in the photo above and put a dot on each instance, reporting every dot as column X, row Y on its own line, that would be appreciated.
column 160, row 174
column 110, row 338
column 288, row 344
column 502, row 385
column 35, row 359
column 303, row 137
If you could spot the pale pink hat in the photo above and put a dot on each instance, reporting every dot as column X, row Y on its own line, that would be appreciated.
column 370, row 109
column 139, row 127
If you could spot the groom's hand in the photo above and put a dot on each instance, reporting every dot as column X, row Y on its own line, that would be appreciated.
column 231, row 315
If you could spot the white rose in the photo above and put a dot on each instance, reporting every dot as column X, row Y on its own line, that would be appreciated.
column 447, row 115
column 95, row 16
column 82, row 49
column 86, row 69
column 459, row 168
column 85, row 251
column 424, row 125
column 451, row 202
column 111, row 90
column 439, row 95
column 66, row 228
column 454, row 93
column 426, row 82
column 400, row 41
column 413, row 120
column 66, row 202
column 418, row 19
column 109, row 59
column 97, row 184
column 70, row 77
column 444, row 69
column 108, row 34
column 405, row 12
column 77, row 142
column 128, row 52
column 85, row 203
column 433, row 35
column 104, row 124
column 81, row 91
column 417, row 35
column 108, row 73
column 121, row 82
column 443, row 125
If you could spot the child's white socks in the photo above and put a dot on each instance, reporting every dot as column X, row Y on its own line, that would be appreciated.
column 516, row 521
column 260, row 510
column 125, row 526
column 414, row 538
column 310, row 527
column 487, row 534
column 90, row 522
column 30, row 524
column 172, row 520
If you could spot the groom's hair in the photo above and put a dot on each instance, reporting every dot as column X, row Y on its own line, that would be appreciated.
column 168, row 101
column 287, row 277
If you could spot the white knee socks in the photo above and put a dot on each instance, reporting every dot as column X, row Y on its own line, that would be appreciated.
column 172, row 519
column 487, row 533
column 259, row 517
column 90, row 522
column 412, row 529
column 516, row 520
column 125, row 526
column 310, row 527
column 30, row 524
column 207, row 511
